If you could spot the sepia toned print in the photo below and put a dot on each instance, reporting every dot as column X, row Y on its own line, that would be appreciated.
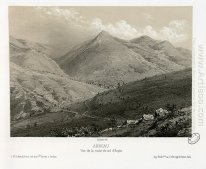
column 100, row 71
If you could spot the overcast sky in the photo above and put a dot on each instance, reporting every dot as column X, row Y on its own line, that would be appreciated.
column 64, row 27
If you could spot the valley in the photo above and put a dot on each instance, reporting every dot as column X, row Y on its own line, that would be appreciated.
column 97, row 87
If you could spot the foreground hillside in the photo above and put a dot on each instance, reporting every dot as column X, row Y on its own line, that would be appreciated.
column 174, row 124
column 106, row 113
column 106, row 60
column 145, row 96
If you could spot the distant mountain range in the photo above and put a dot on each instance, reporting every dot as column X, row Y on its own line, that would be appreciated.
column 106, row 60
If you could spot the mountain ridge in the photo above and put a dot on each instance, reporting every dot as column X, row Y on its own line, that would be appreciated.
column 106, row 59
column 38, row 85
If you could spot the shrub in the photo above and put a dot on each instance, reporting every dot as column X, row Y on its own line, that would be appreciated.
column 172, row 108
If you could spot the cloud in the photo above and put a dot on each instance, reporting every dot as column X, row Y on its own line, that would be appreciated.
column 69, row 15
column 175, row 31
column 172, row 35
column 148, row 30
column 179, row 24
column 120, row 29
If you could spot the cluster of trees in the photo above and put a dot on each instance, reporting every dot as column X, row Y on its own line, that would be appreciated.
column 65, row 131
column 28, row 126
column 105, row 86
column 171, row 107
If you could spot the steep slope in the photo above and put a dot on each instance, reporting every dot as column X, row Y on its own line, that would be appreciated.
column 145, row 96
column 144, row 41
column 36, row 61
column 33, row 56
column 156, row 57
column 107, row 60
column 187, row 54
column 173, row 53
column 38, row 85
column 163, row 50
column 34, row 93
column 39, row 47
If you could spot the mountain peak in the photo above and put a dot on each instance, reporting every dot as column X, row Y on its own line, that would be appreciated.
column 166, row 43
column 143, row 38
column 16, row 42
column 163, row 44
column 103, row 34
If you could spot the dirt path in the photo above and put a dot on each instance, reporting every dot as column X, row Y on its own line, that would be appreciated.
column 87, row 115
column 53, row 118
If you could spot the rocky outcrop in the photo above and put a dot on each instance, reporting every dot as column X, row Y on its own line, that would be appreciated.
column 161, row 112
column 174, row 124
column 148, row 117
